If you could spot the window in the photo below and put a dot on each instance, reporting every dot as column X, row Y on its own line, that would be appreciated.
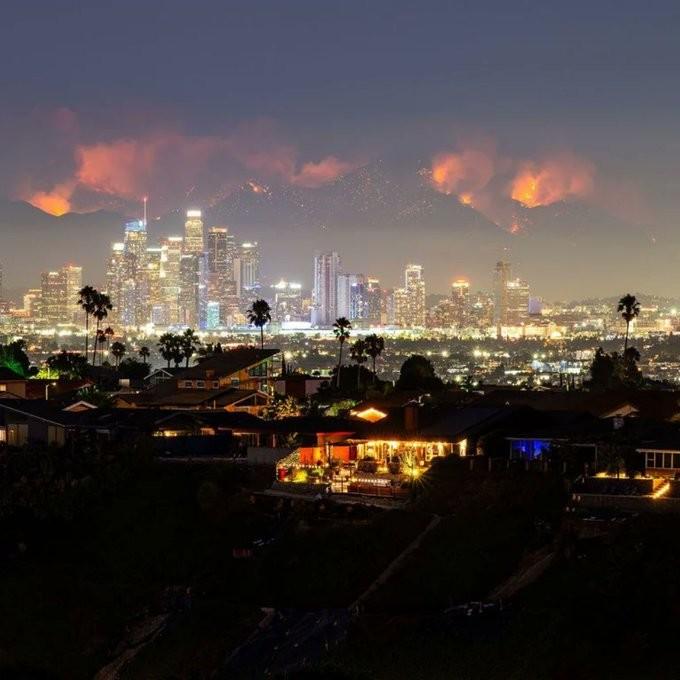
column 650, row 460
column 200, row 383
column 187, row 383
column 3, row 435
column 3, row 387
column 668, row 460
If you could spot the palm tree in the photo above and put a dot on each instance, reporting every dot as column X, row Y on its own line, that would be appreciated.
column 108, row 332
column 259, row 315
column 86, row 300
column 100, row 341
column 189, row 343
column 118, row 350
column 166, row 346
column 102, row 307
column 374, row 348
column 629, row 308
column 358, row 355
column 144, row 353
column 341, row 330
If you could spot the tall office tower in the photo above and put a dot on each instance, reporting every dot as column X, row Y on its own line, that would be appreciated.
column 73, row 280
column 117, row 275
column 414, row 284
column 170, row 277
column 325, row 292
column 135, row 241
column 32, row 300
column 517, row 295
column 193, row 291
column 287, row 301
column 222, row 252
column 247, row 270
column 501, row 276
column 399, row 314
column 374, row 302
column 351, row 296
column 53, row 297
column 154, row 311
column 460, row 302
column 193, row 233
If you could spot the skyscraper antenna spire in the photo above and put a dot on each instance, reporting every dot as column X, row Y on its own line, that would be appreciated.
column 146, row 198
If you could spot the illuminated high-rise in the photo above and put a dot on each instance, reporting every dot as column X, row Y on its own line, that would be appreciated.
column 170, row 277
column 222, row 252
column 193, row 233
column 287, row 301
column 410, row 301
column 73, row 281
column 327, row 267
column 247, row 270
column 460, row 302
column 53, row 309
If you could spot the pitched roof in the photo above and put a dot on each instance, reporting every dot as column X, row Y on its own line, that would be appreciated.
column 187, row 397
column 227, row 363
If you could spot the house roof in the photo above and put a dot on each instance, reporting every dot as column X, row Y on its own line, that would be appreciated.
column 227, row 363
column 658, row 404
column 9, row 374
column 169, row 395
column 41, row 410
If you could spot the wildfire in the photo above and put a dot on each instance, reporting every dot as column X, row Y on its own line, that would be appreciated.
column 52, row 202
column 465, row 199
column 555, row 180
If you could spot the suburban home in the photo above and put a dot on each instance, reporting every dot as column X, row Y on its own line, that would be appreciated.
column 238, row 380
column 34, row 421
column 12, row 385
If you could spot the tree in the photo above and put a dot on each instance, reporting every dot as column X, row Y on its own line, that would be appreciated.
column 108, row 334
column 118, row 350
column 67, row 364
column 86, row 301
column 167, row 346
column 630, row 309
column 189, row 343
column 99, row 341
column 144, row 353
column 102, row 307
column 417, row 373
column 614, row 371
column 259, row 315
column 357, row 353
column 13, row 356
column 133, row 369
column 374, row 348
column 341, row 330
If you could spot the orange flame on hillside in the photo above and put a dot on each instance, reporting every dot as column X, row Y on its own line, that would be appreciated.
column 462, row 173
column 56, row 202
column 554, row 180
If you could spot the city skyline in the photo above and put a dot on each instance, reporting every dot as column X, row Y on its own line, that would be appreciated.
column 529, row 139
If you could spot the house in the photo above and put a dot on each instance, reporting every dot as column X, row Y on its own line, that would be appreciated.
column 237, row 381
column 35, row 421
column 160, row 375
column 12, row 385
column 299, row 385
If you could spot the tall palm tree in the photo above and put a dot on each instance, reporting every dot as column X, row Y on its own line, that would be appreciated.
column 259, row 315
column 99, row 342
column 108, row 333
column 341, row 330
column 118, row 350
column 166, row 346
column 358, row 355
column 86, row 302
column 189, row 342
column 629, row 308
column 102, row 307
column 144, row 353
column 375, row 345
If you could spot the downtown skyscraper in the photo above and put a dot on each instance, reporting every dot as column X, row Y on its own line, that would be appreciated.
column 327, row 267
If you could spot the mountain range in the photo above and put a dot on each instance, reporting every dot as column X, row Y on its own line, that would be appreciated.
column 378, row 220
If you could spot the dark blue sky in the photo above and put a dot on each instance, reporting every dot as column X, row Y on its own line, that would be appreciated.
column 103, row 102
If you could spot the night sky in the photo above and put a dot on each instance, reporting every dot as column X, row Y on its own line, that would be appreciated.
column 521, row 112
